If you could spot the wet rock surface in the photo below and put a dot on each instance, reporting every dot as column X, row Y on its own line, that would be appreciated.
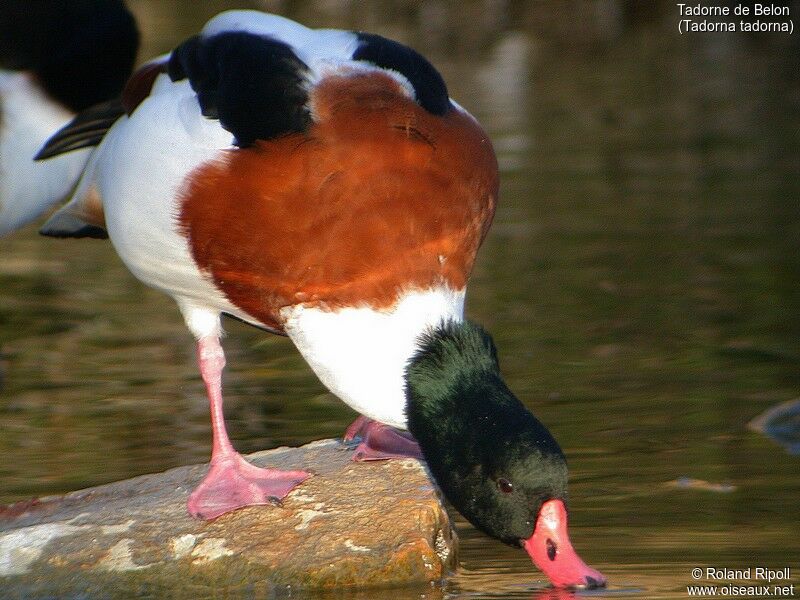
column 351, row 524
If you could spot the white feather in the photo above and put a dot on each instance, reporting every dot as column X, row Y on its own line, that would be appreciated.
column 360, row 353
column 142, row 164
column 29, row 117
column 324, row 51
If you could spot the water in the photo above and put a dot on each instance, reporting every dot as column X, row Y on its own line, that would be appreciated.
column 641, row 282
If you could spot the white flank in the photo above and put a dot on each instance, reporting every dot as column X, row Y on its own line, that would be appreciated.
column 140, row 169
column 361, row 354
column 27, row 118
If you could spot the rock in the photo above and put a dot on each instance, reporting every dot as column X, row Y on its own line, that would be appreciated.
column 352, row 524
column 781, row 423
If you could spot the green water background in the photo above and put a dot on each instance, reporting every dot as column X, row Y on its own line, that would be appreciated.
column 641, row 280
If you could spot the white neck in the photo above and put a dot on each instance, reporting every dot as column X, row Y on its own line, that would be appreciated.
column 361, row 354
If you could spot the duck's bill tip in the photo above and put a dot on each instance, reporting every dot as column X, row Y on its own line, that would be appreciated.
column 550, row 549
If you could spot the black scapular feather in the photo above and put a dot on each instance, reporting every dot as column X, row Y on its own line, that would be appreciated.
column 253, row 84
column 428, row 84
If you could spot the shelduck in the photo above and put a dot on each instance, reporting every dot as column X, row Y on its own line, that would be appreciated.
column 321, row 184
column 57, row 58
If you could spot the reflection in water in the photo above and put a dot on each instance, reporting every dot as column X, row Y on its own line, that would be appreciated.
column 640, row 281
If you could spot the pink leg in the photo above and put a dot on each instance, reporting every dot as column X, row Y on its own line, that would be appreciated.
column 231, row 482
column 380, row 441
column 356, row 428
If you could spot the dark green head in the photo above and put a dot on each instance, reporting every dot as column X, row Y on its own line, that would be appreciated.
column 493, row 460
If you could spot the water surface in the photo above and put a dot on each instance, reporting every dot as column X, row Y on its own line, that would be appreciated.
column 640, row 280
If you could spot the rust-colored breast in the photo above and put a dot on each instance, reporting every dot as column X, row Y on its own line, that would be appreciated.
column 378, row 197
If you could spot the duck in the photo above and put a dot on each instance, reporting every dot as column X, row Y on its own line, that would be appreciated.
column 57, row 58
column 322, row 185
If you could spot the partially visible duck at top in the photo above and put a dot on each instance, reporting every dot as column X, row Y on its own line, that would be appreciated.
column 321, row 184
column 57, row 58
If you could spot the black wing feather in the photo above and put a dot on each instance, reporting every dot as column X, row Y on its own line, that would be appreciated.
column 428, row 84
column 253, row 84
column 87, row 129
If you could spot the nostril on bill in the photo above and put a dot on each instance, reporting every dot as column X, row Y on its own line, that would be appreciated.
column 551, row 549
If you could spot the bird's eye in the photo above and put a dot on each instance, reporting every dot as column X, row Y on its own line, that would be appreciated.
column 505, row 486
